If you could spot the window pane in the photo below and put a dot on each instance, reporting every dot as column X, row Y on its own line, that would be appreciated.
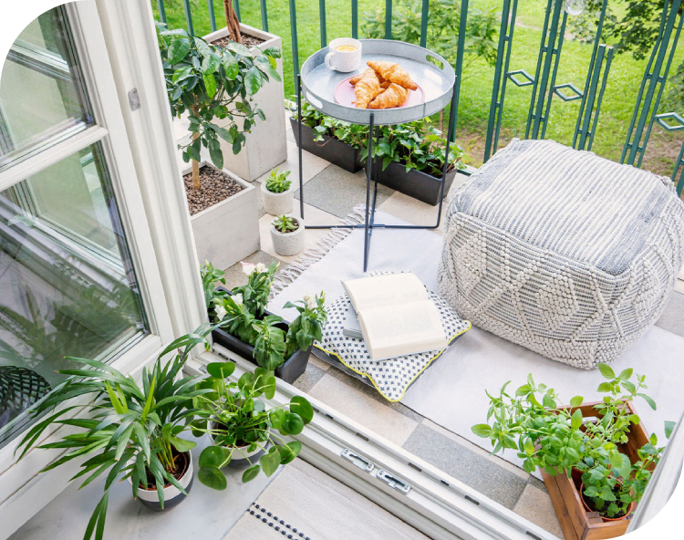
column 67, row 287
column 41, row 90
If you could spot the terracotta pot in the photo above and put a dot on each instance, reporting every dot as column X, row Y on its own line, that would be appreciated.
column 604, row 518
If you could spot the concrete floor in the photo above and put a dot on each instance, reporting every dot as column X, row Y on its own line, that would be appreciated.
column 331, row 193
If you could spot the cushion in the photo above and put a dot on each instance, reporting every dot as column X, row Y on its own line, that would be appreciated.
column 561, row 251
column 390, row 377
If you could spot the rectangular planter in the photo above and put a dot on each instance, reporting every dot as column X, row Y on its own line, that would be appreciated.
column 416, row 184
column 330, row 149
column 577, row 523
column 228, row 231
column 289, row 372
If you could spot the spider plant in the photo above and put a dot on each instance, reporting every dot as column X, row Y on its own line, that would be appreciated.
column 125, row 429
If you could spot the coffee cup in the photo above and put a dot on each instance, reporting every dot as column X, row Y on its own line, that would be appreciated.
column 344, row 55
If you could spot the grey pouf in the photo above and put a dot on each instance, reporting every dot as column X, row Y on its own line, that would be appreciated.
column 563, row 252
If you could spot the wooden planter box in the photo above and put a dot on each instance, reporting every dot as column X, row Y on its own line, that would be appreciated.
column 330, row 149
column 576, row 522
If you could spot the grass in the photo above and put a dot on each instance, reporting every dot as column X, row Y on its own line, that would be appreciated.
column 616, row 110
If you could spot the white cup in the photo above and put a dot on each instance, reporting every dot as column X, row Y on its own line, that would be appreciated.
column 344, row 55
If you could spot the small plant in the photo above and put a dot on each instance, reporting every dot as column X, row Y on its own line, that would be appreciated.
column 127, row 430
column 308, row 326
column 239, row 423
column 285, row 224
column 210, row 277
column 259, row 280
column 558, row 439
column 277, row 181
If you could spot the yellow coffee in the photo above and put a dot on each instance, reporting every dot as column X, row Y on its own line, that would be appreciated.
column 346, row 48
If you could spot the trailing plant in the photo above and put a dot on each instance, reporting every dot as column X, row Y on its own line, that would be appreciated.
column 239, row 422
column 285, row 224
column 207, row 82
column 354, row 135
column 308, row 326
column 558, row 439
column 126, row 430
column 277, row 181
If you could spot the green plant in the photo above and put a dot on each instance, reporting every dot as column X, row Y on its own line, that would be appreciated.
column 352, row 134
column 207, row 82
column 285, row 224
column 277, row 181
column 269, row 345
column 255, row 292
column 239, row 421
column 210, row 276
column 308, row 326
column 126, row 430
column 558, row 439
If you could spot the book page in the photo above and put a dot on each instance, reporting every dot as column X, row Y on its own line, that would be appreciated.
column 384, row 291
column 402, row 330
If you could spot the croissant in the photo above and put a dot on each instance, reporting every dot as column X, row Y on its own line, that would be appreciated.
column 366, row 89
column 393, row 73
column 357, row 78
column 394, row 96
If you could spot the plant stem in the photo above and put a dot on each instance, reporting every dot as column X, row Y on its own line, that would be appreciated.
column 232, row 21
column 195, row 168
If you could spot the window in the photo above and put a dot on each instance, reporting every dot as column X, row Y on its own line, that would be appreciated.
column 68, row 287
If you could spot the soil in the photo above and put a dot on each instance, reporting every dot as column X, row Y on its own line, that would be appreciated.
column 215, row 186
column 247, row 41
column 181, row 461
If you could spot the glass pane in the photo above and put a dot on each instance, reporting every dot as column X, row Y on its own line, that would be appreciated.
column 67, row 286
column 41, row 90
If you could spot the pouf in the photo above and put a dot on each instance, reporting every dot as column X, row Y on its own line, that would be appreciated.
column 563, row 252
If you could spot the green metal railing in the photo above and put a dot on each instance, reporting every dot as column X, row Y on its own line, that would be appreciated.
column 543, row 84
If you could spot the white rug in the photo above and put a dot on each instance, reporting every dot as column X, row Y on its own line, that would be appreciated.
column 452, row 391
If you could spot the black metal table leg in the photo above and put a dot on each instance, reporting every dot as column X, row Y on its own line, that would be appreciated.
column 369, row 163
column 299, row 128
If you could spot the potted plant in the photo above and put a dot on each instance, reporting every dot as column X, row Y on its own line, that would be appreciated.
column 595, row 458
column 128, row 430
column 206, row 85
column 242, row 427
column 244, row 326
column 333, row 140
column 287, row 234
column 278, row 193
column 266, row 145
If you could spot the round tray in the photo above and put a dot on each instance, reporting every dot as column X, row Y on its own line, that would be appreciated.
column 432, row 72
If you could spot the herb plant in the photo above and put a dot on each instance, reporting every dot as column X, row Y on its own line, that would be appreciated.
column 559, row 439
column 127, row 430
column 239, row 422
column 277, row 181
column 207, row 82
column 285, row 224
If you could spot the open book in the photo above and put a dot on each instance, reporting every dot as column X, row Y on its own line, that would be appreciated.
column 396, row 315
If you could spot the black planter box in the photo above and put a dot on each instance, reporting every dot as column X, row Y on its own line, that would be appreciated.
column 289, row 372
column 330, row 149
column 416, row 184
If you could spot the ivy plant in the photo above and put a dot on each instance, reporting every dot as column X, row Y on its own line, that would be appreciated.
column 208, row 82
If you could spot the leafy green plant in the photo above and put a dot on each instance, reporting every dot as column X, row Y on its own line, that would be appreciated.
column 207, row 82
column 308, row 326
column 210, row 277
column 352, row 134
column 239, row 423
column 559, row 439
column 255, row 293
column 269, row 345
column 285, row 224
column 126, row 430
column 277, row 181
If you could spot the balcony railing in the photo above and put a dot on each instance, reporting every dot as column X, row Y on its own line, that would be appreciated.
column 543, row 84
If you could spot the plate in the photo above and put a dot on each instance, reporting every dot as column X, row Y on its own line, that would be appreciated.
column 344, row 95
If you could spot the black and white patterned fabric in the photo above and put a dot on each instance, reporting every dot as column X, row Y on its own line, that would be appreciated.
column 390, row 377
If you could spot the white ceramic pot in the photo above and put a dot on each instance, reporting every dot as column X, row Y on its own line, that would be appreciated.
column 241, row 458
column 228, row 231
column 172, row 495
column 278, row 204
column 288, row 243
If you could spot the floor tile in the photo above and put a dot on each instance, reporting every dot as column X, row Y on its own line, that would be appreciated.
column 412, row 210
column 672, row 318
column 337, row 191
column 310, row 377
column 535, row 505
column 312, row 164
column 319, row 363
column 469, row 467
column 234, row 275
column 363, row 409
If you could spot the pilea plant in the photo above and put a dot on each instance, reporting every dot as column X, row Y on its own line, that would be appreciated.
column 239, row 422
column 277, row 181
column 207, row 82
column 285, row 224
column 559, row 439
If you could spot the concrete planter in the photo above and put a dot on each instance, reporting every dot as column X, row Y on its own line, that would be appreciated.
column 266, row 145
column 278, row 204
column 228, row 231
column 288, row 243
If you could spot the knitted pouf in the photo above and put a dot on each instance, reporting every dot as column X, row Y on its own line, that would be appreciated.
column 563, row 252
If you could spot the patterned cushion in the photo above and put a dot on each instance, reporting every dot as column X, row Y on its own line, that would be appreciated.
column 390, row 377
column 561, row 251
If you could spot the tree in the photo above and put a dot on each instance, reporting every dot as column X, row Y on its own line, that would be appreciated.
column 232, row 21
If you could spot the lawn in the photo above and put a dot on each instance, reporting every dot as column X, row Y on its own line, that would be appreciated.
column 616, row 109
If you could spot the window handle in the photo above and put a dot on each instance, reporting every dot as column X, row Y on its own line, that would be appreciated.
column 358, row 460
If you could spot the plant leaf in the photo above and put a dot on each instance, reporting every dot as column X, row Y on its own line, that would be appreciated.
column 251, row 473
column 270, row 462
column 303, row 408
column 213, row 478
column 178, row 49
column 606, row 371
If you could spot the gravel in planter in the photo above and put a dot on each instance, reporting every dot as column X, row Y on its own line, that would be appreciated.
column 247, row 41
column 215, row 186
